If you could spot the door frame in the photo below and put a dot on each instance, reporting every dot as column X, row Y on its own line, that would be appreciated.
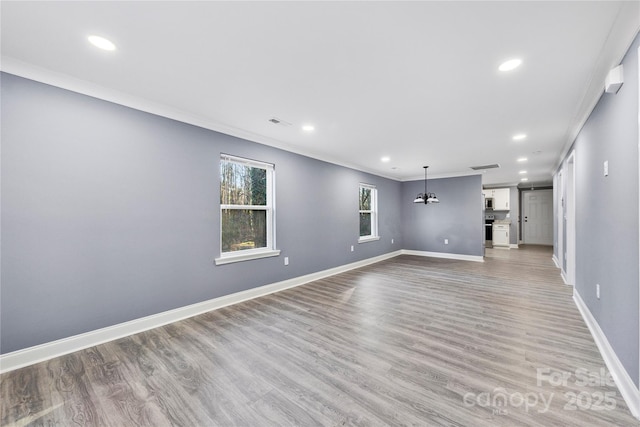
column 570, row 213
column 524, row 213
column 559, row 200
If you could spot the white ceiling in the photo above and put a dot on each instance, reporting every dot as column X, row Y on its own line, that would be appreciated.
column 415, row 81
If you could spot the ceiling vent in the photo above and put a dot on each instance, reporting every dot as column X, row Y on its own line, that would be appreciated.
column 479, row 168
column 277, row 121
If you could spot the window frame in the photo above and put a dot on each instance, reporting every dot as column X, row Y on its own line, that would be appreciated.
column 373, row 211
column 269, row 207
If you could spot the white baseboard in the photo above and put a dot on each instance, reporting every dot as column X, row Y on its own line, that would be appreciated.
column 46, row 351
column 443, row 255
column 627, row 388
column 564, row 278
column 554, row 258
column 513, row 246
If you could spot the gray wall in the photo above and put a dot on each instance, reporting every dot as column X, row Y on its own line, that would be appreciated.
column 607, row 215
column 514, row 203
column 458, row 217
column 110, row 214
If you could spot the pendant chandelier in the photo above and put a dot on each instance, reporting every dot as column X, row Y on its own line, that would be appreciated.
column 426, row 197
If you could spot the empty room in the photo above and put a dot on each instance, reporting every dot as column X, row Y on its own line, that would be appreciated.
column 319, row 213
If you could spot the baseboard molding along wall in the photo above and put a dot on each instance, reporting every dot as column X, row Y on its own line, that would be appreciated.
column 46, row 351
column 554, row 258
column 513, row 246
column 460, row 257
column 625, row 384
column 40, row 353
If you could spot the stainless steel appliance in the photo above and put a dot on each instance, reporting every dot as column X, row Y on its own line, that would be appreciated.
column 488, row 203
column 488, row 230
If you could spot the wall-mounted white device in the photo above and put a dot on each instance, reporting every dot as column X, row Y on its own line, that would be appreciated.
column 614, row 80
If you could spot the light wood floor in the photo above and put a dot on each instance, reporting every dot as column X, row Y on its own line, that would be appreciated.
column 408, row 341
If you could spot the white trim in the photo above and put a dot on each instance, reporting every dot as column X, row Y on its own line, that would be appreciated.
column 554, row 258
column 564, row 278
column 247, row 162
column 638, row 76
column 46, row 351
column 372, row 186
column 570, row 213
column 624, row 30
column 270, row 209
column 630, row 393
column 558, row 203
column 513, row 246
column 29, row 71
column 373, row 211
column 460, row 257
column 366, row 239
column 229, row 259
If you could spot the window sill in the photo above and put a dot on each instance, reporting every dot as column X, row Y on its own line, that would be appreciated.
column 246, row 257
column 368, row 239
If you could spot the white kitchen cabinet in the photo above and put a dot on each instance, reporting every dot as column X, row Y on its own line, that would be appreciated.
column 500, row 196
column 500, row 235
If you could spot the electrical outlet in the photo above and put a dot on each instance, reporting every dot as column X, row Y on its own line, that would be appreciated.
column 598, row 290
column 351, row 248
column 286, row 260
column 446, row 241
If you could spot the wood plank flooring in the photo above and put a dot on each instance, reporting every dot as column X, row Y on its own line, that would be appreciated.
column 408, row 341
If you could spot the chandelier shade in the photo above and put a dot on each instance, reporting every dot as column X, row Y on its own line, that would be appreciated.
column 426, row 197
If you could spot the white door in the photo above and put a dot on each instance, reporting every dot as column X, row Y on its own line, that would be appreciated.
column 570, row 221
column 559, row 188
column 538, row 217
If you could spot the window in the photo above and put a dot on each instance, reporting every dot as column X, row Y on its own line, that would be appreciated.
column 368, row 213
column 246, row 210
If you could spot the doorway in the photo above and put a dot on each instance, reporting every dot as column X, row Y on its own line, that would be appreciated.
column 537, row 218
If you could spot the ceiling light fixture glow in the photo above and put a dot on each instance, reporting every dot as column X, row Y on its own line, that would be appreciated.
column 511, row 64
column 522, row 159
column 524, row 179
column 308, row 128
column 522, row 172
column 519, row 137
column 101, row 43
column 385, row 159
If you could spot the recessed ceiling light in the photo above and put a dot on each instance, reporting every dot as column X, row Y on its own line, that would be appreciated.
column 101, row 42
column 385, row 159
column 308, row 128
column 522, row 159
column 522, row 172
column 511, row 64
column 519, row 137
column 524, row 179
